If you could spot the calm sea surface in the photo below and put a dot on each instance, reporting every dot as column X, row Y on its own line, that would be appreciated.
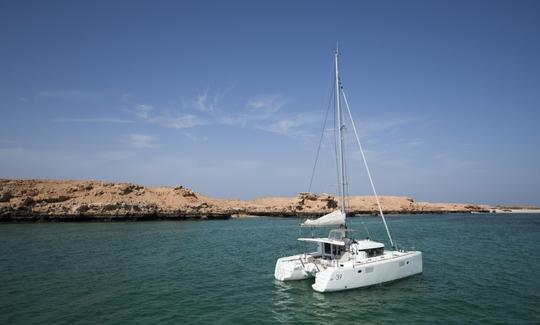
column 477, row 269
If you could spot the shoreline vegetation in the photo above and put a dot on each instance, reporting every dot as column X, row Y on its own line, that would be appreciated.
column 67, row 200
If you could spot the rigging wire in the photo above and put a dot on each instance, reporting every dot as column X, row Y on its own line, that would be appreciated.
column 367, row 230
column 367, row 169
column 346, row 187
column 345, row 171
column 322, row 137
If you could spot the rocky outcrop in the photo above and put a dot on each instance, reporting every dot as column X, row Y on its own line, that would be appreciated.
column 57, row 200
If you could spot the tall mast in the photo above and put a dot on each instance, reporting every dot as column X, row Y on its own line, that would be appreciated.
column 340, row 128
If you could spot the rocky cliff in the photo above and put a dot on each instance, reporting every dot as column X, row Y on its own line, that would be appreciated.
column 59, row 200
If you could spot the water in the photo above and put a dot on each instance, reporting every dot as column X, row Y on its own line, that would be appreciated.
column 477, row 269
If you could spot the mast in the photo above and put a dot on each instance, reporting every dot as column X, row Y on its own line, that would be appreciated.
column 340, row 128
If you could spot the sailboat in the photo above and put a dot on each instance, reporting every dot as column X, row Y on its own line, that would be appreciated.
column 342, row 262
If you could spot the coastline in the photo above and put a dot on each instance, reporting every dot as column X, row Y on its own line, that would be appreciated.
column 37, row 200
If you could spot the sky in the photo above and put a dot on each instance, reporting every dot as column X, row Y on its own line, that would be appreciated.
column 229, row 97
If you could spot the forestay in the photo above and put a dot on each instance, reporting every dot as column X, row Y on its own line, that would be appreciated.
column 332, row 219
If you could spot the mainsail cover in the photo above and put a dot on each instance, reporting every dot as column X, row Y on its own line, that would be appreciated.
column 334, row 218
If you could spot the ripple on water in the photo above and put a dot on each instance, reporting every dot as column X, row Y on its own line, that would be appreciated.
column 477, row 269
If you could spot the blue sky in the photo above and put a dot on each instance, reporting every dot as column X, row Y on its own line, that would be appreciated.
column 228, row 97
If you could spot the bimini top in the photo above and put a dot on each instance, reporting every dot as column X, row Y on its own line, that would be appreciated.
column 360, row 244
column 335, row 218
column 337, row 242
column 367, row 244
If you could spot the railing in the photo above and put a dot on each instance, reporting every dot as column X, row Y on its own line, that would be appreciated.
column 408, row 246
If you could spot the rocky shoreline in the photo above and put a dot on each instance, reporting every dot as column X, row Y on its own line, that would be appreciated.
column 63, row 200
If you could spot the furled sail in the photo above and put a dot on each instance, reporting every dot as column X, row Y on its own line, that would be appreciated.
column 332, row 219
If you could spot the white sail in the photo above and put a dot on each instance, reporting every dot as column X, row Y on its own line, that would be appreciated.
column 334, row 218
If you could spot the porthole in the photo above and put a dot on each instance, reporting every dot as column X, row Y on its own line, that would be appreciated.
column 359, row 271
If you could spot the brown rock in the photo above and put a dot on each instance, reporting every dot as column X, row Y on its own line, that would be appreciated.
column 22, row 203
column 5, row 196
column 91, row 199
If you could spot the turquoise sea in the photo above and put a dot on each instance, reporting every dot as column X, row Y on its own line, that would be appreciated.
column 477, row 269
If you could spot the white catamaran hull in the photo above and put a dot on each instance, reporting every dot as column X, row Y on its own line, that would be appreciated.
column 342, row 262
column 296, row 267
column 353, row 275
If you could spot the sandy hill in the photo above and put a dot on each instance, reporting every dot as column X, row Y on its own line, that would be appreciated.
column 32, row 200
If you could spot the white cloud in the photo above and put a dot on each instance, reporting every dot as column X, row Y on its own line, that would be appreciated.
column 287, row 127
column 239, row 119
column 195, row 138
column 143, row 111
column 140, row 141
column 290, row 126
column 266, row 105
column 202, row 103
column 257, row 109
column 205, row 102
column 178, row 121
column 204, row 110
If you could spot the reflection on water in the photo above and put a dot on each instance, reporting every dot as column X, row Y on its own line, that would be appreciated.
column 296, row 301
column 282, row 301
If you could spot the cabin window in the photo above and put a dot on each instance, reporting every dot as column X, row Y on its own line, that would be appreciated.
column 369, row 269
column 336, row 234
column 374, row 252
column 401, row 263
column 327, row 248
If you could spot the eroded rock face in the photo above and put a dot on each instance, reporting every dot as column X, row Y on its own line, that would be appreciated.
column 23, row 203
column 92, row 200
column 185, row 192
column 5, row 196
column 315, row 204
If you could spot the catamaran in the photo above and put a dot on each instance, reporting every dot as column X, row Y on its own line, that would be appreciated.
column 340, row 261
